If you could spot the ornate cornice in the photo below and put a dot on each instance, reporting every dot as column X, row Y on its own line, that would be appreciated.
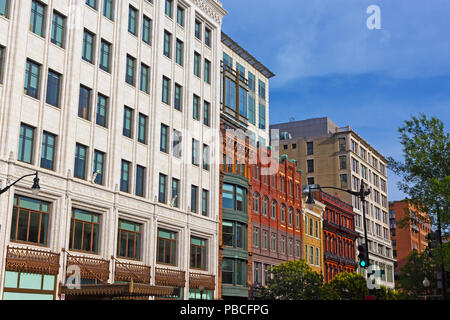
column 212, row 8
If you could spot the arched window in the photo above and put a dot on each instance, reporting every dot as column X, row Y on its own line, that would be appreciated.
column 283, row 213
column 273, row 210
column 256, row 202
column 290, row 212
column 264, row 206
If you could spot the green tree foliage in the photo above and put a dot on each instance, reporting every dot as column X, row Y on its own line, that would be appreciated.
column 347, row 286
column 293, row 280
column 425, row 171
column 412, row 274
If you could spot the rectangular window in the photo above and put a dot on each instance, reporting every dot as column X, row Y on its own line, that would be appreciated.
column 37, row 18
column 198, row 253
column 105, row 56
column 125, row 176
column 194, row 198
column 176, row 144
column 127, row 122
column 26, row 143
column 309, row 148
column 178, row 99
column 208, row 73
column 30, row 221
column 343, row 162
column 343, row 178
column 32, row 79
column 166, row 90
column 243, row 101
column 48, row 151
column 84, row 231
column 167, row 49
column 198, row 30
column 130, row 76
column 80, row 161
column 92, row 4
column 169, row 8
column 196, row 107
column 132, row 20
column 310, row 164
column 205, row 157
column 4, row 8
column 142, row 129
column 147, row 30
column 197, row 64
column 342, row 144
column 167, row 247
column 108, row 9
column 175, row 192
column 58, row 28
column 262, row 105
column 195, row 146
column 99, row 163
column 205, row 202
column 230, row 93
column 145, row 78
column 53, row 88
column 208, row 37
column 179, row 54
column 102, row 110
column 129, row 239
column 2, row 62
column 251, row 98
column 140, row 180
column 206, row 113
column 180, row 16
column 162, row 188
column 88, row 46
column 164, row 139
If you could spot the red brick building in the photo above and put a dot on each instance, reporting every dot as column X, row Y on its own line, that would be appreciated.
column 339, row 236
column 276, row 217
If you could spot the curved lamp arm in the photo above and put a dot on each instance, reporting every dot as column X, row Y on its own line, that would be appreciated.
column 34, row 187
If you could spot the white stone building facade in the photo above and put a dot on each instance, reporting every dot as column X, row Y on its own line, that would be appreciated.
column 121, row 70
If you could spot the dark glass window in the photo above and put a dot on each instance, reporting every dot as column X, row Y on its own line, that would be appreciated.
column 26, row 143
column 167, row 247
column 32, row 79
column 30, row 221
column 37, row 18
column 129, row 240
column 84, row 104
column 84, row 231
column 99, row 160
column 80, row 161
column 125, row 176
column 140, row 181
column 58, row 27
column 53, row 88
column 102, row 110
column 48, row 151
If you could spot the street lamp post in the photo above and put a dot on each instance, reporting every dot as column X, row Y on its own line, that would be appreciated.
column 35, row 188
column 362, row 194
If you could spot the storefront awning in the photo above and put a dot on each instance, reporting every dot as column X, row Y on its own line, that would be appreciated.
column 119, row 290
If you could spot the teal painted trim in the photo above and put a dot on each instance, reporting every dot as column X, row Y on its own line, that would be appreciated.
column 235, row 179
column 232, row 215
column 230, row 290
column 235, row 253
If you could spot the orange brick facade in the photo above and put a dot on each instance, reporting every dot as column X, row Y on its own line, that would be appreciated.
column 409, row 230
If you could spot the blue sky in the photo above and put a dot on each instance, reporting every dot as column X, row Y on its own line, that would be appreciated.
column 328, row 63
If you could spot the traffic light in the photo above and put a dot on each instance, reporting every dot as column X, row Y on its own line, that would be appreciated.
column 433, row 239
column 362, row 256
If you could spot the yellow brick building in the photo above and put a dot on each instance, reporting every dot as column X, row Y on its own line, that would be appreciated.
column 313, row 234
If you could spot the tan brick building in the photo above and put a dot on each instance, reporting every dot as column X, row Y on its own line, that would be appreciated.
column 335, row 156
